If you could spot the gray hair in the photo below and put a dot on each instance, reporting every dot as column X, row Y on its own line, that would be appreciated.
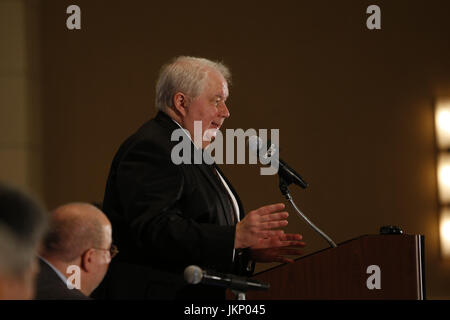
column 23, row 223
column 16, row 255
column 187, row 75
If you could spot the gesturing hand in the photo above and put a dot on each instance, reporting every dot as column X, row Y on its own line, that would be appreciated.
column 260, row 224
column 274, row 249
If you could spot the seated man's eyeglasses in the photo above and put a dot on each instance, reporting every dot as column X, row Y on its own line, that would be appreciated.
column 113, row 251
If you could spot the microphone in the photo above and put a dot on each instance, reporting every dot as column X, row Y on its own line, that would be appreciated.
column 287, row 176
column 284, row 170
column 195, row 275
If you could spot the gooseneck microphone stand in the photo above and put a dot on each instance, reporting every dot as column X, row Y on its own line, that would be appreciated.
column 284, row 184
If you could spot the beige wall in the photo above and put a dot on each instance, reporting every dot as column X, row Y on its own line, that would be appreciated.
column 354, row 107
column 20, row 114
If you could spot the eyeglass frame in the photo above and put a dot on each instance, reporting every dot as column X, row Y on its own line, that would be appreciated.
column 113, row 250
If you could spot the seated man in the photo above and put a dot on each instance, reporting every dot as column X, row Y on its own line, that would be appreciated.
column 22, row 225
column 77, row 249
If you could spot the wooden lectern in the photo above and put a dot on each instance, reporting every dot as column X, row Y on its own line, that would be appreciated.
column 368, row 267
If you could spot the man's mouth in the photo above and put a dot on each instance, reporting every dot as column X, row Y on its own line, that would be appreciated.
column 215, row 125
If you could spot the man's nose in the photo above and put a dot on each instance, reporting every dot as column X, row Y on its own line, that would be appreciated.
column 224, row 112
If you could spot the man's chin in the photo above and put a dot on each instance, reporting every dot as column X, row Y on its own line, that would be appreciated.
column 210, row 135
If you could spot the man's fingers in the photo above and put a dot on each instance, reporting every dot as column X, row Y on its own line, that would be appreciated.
column 284, row 244
column 266, row 235
column 266, row 241
column 273, row 242
column 294, row 244
column 274, row 216
column 270, row 209
column 274, row 233
column 274, row 224
column 299, row 244
column 291, row 237
column 283, row 260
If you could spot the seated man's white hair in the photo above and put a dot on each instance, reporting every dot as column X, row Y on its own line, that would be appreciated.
column 187, row 75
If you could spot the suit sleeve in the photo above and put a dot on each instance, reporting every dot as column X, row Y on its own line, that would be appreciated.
column 150, row 188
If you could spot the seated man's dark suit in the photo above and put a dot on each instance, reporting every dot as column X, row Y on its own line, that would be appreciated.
column 49, row 286
column 166, row 217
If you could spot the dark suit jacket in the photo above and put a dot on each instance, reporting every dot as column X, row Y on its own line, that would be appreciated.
column 166, row 217
column 49, row 286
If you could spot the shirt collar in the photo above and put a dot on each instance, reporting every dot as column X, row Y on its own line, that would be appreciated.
column 59, row 273
column 187, row 133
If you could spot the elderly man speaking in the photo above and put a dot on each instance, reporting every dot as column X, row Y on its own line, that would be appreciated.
column 165, row 216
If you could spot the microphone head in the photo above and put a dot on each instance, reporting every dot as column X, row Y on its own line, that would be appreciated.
column 193, row 274
column 257, row 145
column 254, row 143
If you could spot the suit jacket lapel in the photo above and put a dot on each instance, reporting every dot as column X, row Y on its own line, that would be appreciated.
column 206, row 170
column 224, row 200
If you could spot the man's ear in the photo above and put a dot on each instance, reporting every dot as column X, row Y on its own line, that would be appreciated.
column 87, row 260
column 181, row 103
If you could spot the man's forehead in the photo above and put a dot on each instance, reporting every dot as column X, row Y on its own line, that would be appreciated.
column 222, row 92
column 218, row 83
column 225, row 89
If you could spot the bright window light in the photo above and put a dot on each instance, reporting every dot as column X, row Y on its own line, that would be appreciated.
column 444, row 177
column 445, row 232
column 442, row 119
